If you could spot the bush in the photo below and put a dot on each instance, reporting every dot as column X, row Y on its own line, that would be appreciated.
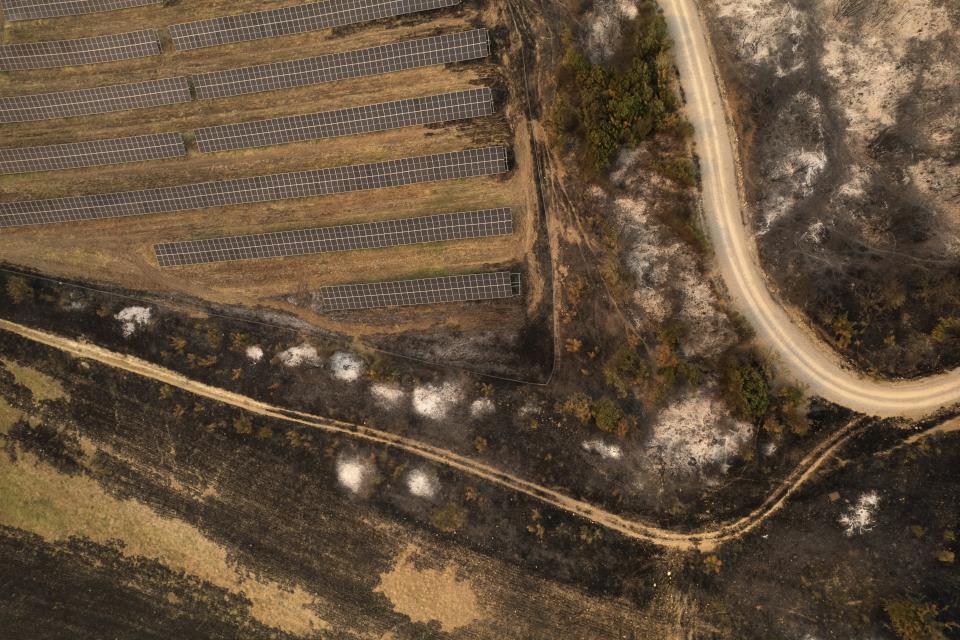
column 577, row 405
column 913, row 620
column 449, row 518
column 625, row 370
column 947, row 330
column 608, row 415
column 748, row 393
column 18, row 289
column 679, row 169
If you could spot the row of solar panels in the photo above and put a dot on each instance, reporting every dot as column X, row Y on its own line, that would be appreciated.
column 281, row 186
column 38, row 9
column 446, row 107
column 485, row 223
column 442, row 227
column 192, row 35
column 460, row 288
column 407, row 54
column 62, row 53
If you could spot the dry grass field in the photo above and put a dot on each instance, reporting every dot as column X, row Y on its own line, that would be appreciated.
column 119, row 252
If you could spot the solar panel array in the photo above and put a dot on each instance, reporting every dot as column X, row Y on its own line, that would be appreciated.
column 464, row 288
column 370, row 235
column 61, row 53
column 458, row 105
column 36, row 9
column 79, row 102
column 396, row 56
column 93, row 153
column 298, row 18
column 300, row 184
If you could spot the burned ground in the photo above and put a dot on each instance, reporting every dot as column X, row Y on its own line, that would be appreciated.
column 622, row 379
column 847, row 114
column 159, row 508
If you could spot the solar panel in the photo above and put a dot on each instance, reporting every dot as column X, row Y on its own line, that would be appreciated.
column 61, row 53
column 441, row 227
column 445, row 107
column 464, row 288
column 298, row 18
column 93, row 153
column 118, row 97
column 280, row 186
column 396, row 56
column 35, row 9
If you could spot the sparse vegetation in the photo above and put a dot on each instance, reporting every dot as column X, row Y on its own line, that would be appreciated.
column 449, row 518
column 625, row 370
column 916, row 620
column 18, row 289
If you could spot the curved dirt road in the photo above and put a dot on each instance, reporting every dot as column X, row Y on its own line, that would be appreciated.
column 800, row 354
column 703, row 540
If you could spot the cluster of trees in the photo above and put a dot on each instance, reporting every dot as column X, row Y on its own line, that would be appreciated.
column 622, row 101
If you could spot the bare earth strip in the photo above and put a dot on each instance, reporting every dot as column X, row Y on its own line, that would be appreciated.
column 703, row 540
column 800, row 353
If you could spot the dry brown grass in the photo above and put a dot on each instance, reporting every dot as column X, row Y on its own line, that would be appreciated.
column 120, row 251
column 35, row 497
column 425, row 595
column 42, row 387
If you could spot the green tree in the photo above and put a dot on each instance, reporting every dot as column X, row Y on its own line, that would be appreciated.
column 747, row 390
column 608, row 415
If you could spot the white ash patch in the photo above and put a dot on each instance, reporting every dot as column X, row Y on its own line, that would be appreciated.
column 860, row 517
column 482, row 407
column 132, row 318
column 856, row 185
column 771, row 32
column 815, row 234
column 697, row 434
column 354, row 474
column 422, row 483
column 871, row 67
column 769, row 449
column 346, row 366
column 602, row 449
column 304, row 354
column 436, row 401
column 529, row 408
column 255, row 353
column 606, row 27
column 792, row 174
column 387, row 395
column 664, row 267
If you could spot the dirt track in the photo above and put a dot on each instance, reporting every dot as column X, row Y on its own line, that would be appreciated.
column 703, row 540
column 800, row 354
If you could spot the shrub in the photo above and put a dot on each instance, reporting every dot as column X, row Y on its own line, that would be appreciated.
column 914, row 620
column 608, row 415
column 947, row 330
column 577, row 405
column 449, row 518
column 18, row 289
column 625, row 369
column 679, row 169
column 748, row 393
column 842, row 330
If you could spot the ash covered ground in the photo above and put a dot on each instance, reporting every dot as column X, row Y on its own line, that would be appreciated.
column 848, row 114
